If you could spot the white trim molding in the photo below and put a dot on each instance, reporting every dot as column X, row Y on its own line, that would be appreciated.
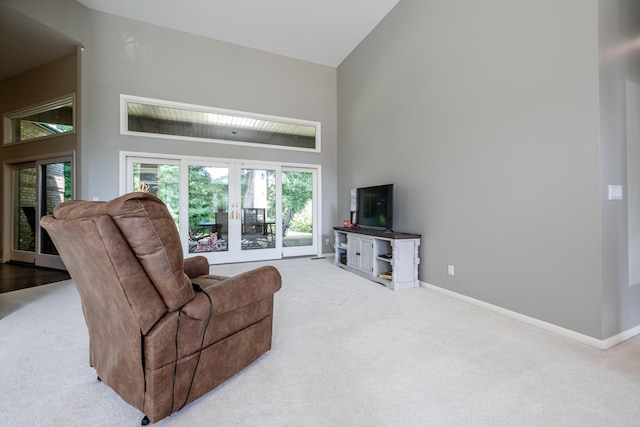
column 601, row 344
column 185, row 110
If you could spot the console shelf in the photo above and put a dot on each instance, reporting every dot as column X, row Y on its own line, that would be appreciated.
column 388, row 258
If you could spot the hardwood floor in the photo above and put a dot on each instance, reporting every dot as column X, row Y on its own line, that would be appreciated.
column 19, row 276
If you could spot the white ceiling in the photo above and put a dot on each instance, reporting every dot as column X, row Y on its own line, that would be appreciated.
column 324, row 32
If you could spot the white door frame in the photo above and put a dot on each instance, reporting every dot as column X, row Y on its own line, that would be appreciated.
column 126, row 185
column 8, row 253
column 314, row 248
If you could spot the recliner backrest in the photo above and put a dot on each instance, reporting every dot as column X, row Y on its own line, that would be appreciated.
column 152, row 235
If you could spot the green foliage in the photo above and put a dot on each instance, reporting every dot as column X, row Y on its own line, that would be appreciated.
column 209, row 188
column 207, row 194
column 302, row 221
column 297, row 192
column 167, row 188
column 67, row 180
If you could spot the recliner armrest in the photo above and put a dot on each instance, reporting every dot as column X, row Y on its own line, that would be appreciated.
column 237, row 291
column 196, row 266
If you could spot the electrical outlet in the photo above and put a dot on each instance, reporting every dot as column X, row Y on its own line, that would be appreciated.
column 451, row 271
column 327, row 242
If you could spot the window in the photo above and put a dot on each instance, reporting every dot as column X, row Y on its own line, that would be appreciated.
column 149, row 117
column 46, row 120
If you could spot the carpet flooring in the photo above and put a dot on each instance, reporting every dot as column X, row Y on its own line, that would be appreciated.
column 346, row 352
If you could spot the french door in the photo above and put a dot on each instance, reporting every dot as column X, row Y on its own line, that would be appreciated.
column 232, row 211
column 37, row 188
column 300, row 218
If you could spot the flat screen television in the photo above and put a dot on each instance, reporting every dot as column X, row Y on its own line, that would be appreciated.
column 374, row 206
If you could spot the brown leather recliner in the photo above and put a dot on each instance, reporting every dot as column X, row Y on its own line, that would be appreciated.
column 153, row 339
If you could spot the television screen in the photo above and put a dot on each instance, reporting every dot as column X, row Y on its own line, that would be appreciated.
column 375, row 206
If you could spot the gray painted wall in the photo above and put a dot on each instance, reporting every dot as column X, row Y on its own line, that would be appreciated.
column 134, row 58
column 485, row 117
column 493, row 119
column 49, row 81
column 619, row 29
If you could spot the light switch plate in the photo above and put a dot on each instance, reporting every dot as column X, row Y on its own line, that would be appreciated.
column 615, row 192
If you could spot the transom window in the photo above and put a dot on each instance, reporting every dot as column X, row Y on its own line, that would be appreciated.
column 49, row 119
column 150, row 117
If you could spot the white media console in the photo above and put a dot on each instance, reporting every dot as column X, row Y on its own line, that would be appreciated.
column 385, row 257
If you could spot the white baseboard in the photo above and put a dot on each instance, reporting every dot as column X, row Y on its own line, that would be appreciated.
column 550, row 327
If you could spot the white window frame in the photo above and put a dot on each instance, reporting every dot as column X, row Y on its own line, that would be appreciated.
column 33, row 109
column 125, row 99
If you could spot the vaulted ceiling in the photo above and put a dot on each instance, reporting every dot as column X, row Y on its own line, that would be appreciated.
column 322, row 32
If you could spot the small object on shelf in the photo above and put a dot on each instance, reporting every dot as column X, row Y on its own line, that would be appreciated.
column 346, row 223
column 388, row 256
column 387, row 276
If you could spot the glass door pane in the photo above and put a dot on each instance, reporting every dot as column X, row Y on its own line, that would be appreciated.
column 258, row 208
column 208, row 209
column 159, row 179
column 24, row 212
column 56, row 188
column 299, row 212
column 38, row 187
